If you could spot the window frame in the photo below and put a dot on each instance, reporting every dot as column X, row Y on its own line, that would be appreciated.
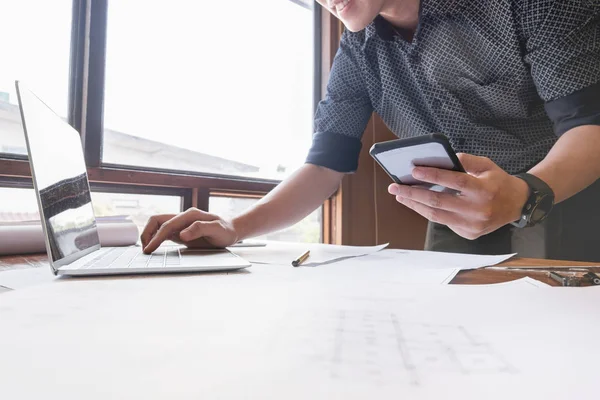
column 85, row 114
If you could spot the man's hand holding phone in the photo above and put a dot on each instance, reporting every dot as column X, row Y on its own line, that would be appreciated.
column 470, row 194
column 488, row 197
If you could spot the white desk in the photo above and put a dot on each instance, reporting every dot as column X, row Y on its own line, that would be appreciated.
column 277, row 332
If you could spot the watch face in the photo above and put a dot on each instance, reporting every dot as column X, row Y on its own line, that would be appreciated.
column 542, row 208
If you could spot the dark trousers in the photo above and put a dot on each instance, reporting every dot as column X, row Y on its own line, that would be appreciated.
column 571, row 232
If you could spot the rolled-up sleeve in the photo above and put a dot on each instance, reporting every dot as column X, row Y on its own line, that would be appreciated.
column 563, row 51
column 342, row 116
column 577, row 109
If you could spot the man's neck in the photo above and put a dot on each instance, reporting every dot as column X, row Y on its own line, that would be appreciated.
column 403, row 14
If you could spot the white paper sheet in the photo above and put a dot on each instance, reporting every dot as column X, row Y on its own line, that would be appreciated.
column 435, row 260
column 349, row 273
column 283, row 253
column 525, row 282
column 378, row 269
column 26, row 277
column 235, row 336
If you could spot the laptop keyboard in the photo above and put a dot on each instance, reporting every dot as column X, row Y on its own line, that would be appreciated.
column 133, row 257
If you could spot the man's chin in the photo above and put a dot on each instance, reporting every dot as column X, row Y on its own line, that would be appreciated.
column 354, row 27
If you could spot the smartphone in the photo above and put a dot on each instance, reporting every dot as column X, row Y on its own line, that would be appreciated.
column 399, row 157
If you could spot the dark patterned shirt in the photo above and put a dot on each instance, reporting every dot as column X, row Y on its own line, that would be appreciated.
column 501, row 78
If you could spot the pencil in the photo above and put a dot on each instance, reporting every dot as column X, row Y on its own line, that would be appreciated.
column 301, row 259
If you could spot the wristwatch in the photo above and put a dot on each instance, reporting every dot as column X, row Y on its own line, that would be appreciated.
column 538, row 205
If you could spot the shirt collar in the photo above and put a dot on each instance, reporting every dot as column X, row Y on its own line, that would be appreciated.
column 427, row 9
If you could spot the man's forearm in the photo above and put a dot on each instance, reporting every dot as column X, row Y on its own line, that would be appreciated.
column 573, row 163
column 289, row 202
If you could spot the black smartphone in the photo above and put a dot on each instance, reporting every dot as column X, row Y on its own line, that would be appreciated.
column 399, row 157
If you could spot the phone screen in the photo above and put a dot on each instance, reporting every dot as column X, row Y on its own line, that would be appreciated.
column 400, row 162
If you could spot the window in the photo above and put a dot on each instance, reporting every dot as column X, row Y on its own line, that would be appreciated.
column 195, row 98
column 139, row 207
column 18, row 205
column 307, row 230
column 213, row 87
column 35, row 49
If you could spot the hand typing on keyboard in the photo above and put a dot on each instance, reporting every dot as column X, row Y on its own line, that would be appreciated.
column 193, row 228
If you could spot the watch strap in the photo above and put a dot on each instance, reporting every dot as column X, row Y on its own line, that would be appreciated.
column 537, row 189
column 535, row 184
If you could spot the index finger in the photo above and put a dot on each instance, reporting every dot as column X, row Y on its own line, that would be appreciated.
column 152, row 226
column 460, row 181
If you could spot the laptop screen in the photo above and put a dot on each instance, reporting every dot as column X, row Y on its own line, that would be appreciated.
column 60, row 180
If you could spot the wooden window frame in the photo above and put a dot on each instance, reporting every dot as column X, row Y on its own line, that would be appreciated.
column 329, row 41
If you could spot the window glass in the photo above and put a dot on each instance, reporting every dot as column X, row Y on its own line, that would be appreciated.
column 19, row 205
column 35, row 49
column 215, row 87
column 308, row 230
column 138, row 207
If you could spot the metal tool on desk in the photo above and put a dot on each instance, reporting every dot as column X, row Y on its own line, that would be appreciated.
column 593, row 277
column 564, row 280
column 573, row 280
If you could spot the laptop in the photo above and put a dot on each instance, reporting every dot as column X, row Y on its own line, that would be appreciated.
column 67, row 214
